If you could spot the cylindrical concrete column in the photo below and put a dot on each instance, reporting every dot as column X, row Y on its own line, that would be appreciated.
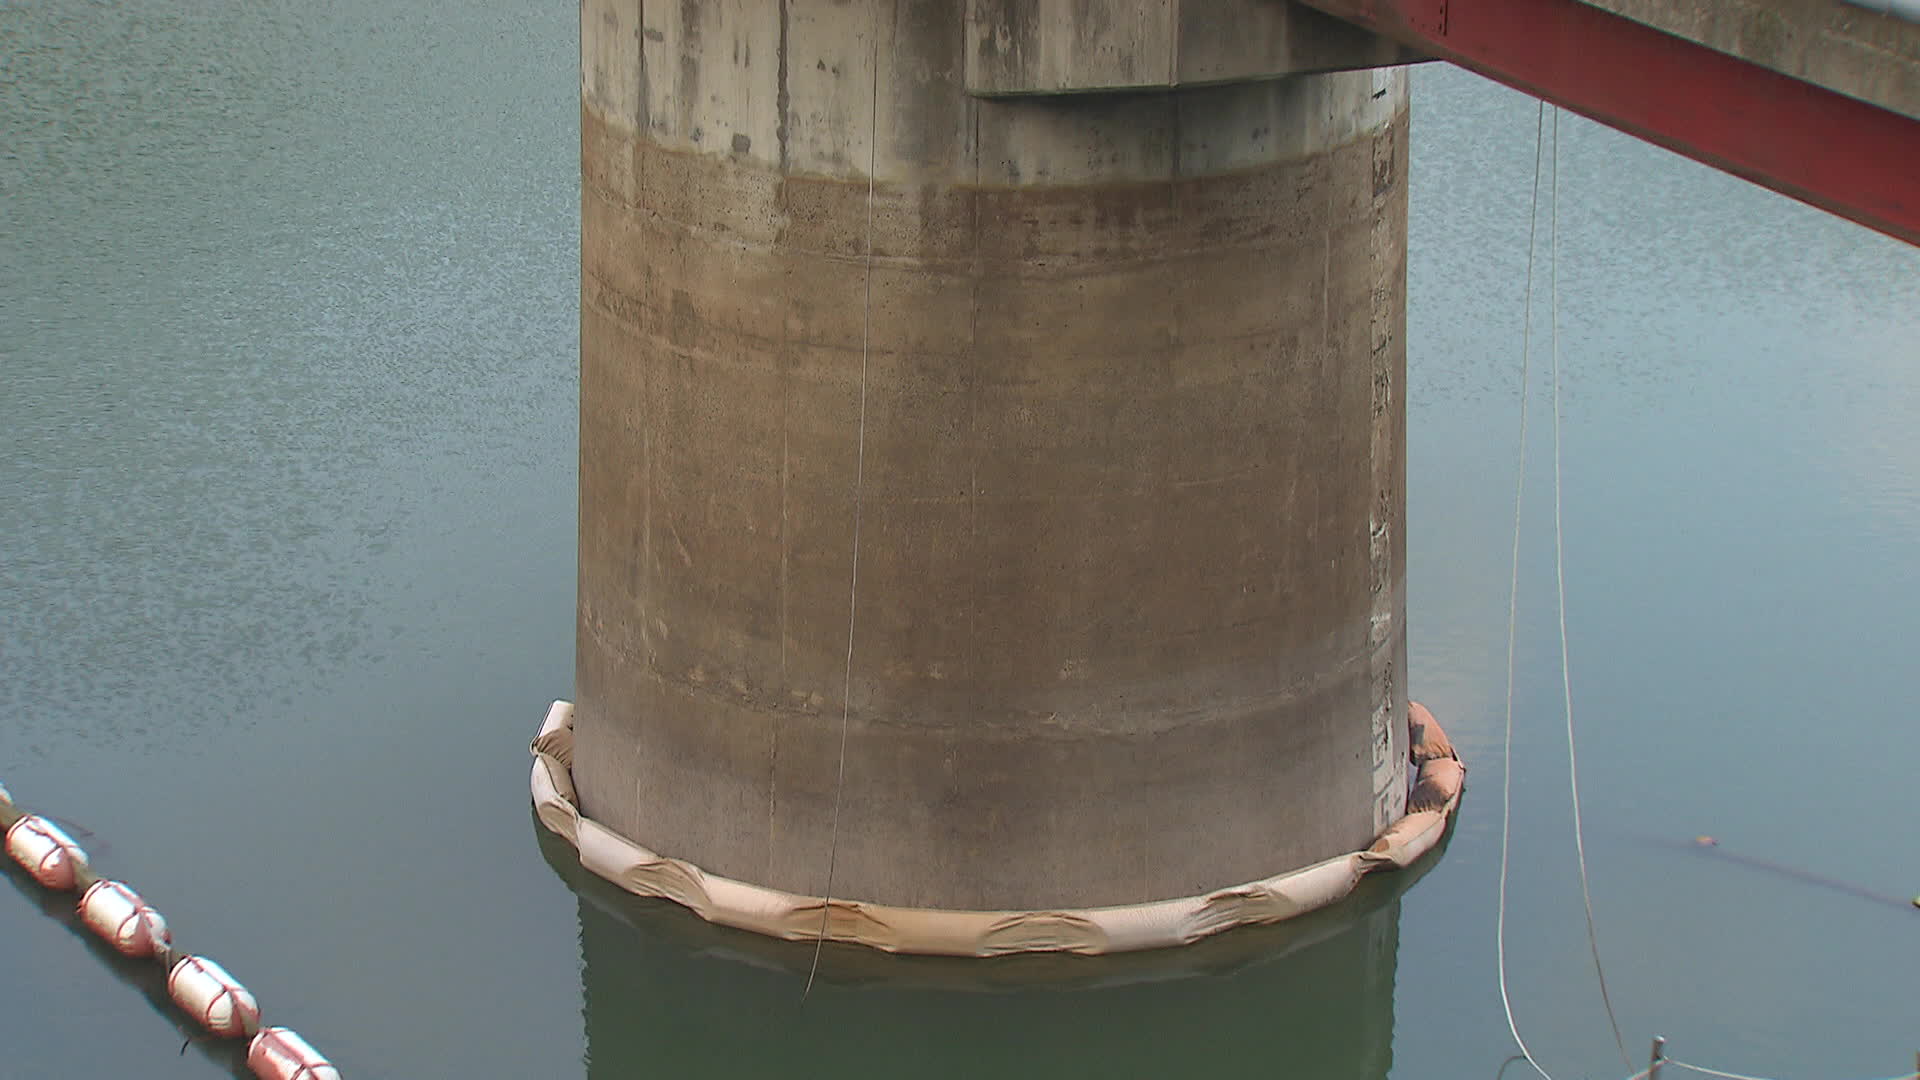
column 1129, row 621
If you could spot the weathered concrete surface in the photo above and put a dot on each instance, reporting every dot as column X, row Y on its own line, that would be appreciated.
column 1131, row 598
column 1869, row 55
column 1076, row 46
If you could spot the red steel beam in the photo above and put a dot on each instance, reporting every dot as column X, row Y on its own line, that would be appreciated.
column 1835, row 152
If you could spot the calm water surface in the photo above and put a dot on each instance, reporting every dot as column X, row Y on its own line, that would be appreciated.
column 287, row 391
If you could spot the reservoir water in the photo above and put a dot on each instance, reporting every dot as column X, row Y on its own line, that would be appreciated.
column 288, row 305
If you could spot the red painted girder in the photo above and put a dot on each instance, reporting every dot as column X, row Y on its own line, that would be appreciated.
column 1838, row 153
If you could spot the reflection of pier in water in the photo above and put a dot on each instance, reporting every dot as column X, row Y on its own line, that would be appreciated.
column 671, row 995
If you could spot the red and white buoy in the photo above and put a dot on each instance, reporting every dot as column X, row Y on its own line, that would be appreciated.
column 123, row 920
column 278, row 1053
column 214, row 999
column 46, row 851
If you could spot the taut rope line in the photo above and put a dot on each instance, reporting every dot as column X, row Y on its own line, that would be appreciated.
column 1513, row 606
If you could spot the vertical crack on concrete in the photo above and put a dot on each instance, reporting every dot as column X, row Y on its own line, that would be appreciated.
column 687, row 89
column 1326, row 269
column 783, row 98
column 786, row 528
column 1173, row 44
column 783, row 101
column 973, row 421
column 773, row 801
column 785, row 360
column 1179, row 157
column 642, row 103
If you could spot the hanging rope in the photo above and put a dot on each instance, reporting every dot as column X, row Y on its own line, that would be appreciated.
column 1513, row 607
column 859, row 481
column 1566, row 667
column 1560, row 582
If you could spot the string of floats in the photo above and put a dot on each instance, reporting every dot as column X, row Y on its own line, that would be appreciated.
column 130, row 926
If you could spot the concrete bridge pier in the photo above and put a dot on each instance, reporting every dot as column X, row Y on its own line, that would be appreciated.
column 1130, row 617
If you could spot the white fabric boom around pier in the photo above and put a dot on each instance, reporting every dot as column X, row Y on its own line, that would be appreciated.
column 1087, row 931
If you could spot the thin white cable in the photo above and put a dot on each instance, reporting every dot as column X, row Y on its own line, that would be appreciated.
column 1704, row 1071
column 1513, row 603
column 1560, row 581
column 1566, row 675
column 859, row 480
column 1712, row 1072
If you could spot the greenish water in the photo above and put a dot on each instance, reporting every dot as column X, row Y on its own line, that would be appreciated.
column 288, row 298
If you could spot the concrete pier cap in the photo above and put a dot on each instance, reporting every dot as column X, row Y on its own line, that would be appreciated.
column 1130, row 614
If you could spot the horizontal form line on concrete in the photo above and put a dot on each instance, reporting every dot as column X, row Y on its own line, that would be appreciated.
column 1148, row 715
column 636, row 317
column 1045, row 267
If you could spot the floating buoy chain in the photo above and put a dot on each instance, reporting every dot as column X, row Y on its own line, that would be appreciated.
column 117, row 915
